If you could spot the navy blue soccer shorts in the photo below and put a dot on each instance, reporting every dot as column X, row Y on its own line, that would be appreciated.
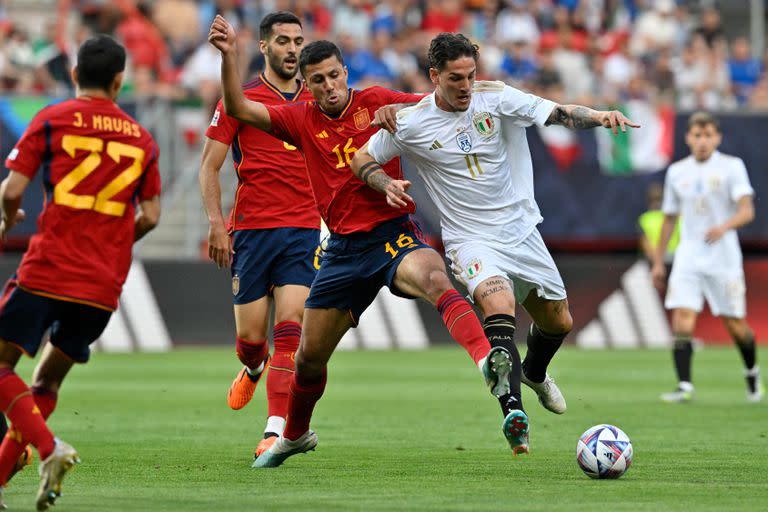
column 25, row 316
column 355, row 267
column 266, row 258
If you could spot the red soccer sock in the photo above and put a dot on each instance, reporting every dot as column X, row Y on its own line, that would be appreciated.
column 251, row 353
column 304, row 394
column 463, row 324
column 19, row 406
column 13, row 444
column 286, row 337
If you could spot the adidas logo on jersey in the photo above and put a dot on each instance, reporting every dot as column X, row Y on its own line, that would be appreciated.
column 322, row 135
column 435, row 145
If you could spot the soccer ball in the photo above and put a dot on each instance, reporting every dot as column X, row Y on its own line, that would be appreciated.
column 604, row 451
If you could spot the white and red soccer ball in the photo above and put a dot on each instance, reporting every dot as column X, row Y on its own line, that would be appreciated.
column 604, row 451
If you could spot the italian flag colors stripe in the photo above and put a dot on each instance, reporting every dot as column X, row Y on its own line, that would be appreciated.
column 644, row 150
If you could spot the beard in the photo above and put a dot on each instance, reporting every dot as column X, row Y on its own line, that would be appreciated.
column 277, row 66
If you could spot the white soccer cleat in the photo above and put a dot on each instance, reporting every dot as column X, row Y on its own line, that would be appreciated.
column 755, row 388
column 683, row 394
column 284, row 448
column 497, row 368
column 52, row 471
column 548, row 392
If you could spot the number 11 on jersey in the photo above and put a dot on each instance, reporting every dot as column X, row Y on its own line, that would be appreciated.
column 475, row 170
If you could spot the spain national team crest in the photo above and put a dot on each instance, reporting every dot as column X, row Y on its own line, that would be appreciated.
column 235, row 284
column 484, row 124
column 474, row 268
column 464, row 140
column 362, row 119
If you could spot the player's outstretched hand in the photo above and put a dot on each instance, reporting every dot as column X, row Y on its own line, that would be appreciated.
column 714, row 234
column 219, row 246
column 7, row 225
column 396, row 193
column 659, row 274
column 222, row 35
column 615, row 120
column 386, row 117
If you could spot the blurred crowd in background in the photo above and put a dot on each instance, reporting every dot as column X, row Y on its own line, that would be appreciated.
column 580, row 51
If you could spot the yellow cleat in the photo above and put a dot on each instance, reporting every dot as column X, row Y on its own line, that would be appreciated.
column 52, row 471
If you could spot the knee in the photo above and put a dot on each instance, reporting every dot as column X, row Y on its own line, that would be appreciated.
column 437, row 284
column 251, row 333
column 308, row 366
column 561, row 325
column 289, row 316
column 499, row 305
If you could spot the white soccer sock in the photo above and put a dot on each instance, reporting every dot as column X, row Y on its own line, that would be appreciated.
column 275, row 424
column 255, row 371
column 685, row 386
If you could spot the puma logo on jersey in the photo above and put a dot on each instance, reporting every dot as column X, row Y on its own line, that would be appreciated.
column 322, row 135
column 435, row 145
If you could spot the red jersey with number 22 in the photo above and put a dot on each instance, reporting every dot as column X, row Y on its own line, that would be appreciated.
column 346, row 203
column 97, row 162
column 273, row 190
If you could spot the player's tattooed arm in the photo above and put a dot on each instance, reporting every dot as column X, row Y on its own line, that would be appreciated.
column 222, row 35
column 578, row 117
column 373, row 175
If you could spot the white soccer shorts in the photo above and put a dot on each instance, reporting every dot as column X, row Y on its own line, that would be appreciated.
column 725, row 293
column 528, row 265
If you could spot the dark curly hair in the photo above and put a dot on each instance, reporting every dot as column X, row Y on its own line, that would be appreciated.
column 447, row 46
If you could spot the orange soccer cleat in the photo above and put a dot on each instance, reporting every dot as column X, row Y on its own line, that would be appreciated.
column 264, row 445
column 242, row 388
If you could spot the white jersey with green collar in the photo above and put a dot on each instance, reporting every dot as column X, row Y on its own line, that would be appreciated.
column 476, row 164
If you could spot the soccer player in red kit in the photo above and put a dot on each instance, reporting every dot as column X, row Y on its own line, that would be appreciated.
column 371, row 245
column 97, row 165
column 273, row 229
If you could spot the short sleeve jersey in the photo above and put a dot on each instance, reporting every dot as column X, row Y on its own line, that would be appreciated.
column 346, row 204
column 97, row 162
column 705, row 194
column 273, row 190
column 476, row 164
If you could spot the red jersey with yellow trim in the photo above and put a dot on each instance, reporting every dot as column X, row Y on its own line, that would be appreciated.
column 97, row 162
column 273, row 190
column 346, row 204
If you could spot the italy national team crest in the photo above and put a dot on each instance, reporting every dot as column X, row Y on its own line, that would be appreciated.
column 474, row 268
column 464, row 140
column 362, row 119
column 484, row 124
column 235, row 284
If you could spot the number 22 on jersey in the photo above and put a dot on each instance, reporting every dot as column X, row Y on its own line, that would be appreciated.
column 101, row 202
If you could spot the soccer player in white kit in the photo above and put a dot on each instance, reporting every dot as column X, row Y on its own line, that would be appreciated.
column 467, row 141
column 711, row 193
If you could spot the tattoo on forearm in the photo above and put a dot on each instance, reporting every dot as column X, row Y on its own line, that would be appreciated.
column 575, row 117
column 378, row 180
column 367, row 169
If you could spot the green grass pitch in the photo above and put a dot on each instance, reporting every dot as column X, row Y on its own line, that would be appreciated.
column 404, row 431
